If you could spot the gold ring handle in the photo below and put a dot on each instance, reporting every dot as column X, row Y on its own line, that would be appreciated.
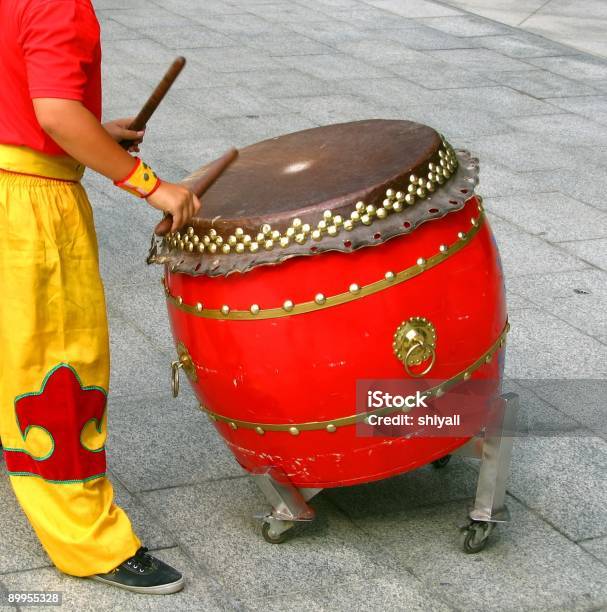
column 175, row 367
column 414, row 343
column 184, row 362
column 409, row 355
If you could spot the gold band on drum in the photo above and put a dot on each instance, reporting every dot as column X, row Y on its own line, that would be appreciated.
column 333, row 425
column 321, row 301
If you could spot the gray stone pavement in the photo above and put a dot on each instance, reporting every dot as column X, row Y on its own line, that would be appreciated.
column 560, row 20
column 534, row 111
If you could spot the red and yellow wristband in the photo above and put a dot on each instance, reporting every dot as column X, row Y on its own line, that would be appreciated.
column 141, row 182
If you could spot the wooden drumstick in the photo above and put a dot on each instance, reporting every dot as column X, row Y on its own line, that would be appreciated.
column 201, row 184
column 147, row 110
column 213, row 172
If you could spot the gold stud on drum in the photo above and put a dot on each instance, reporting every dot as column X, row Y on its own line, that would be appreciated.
column 186, row 362
column 414, row 344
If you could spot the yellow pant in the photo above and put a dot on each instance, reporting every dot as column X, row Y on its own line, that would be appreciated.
column 54, row 364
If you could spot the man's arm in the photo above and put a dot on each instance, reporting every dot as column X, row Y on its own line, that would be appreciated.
column 77, row 131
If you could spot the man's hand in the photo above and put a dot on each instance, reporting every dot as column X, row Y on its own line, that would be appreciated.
column 178, row 202
column 118, row 129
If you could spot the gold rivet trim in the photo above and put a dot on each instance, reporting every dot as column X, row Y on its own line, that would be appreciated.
column 334, row 424
column 341, row 298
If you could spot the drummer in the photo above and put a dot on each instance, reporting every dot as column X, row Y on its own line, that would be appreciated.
column 54, row 370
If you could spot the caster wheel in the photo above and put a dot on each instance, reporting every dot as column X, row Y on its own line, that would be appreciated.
column 475, row 536
column 442, row 462
column 272, row 538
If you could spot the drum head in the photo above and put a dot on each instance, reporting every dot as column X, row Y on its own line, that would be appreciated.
column 323, row 169
column 316, row 190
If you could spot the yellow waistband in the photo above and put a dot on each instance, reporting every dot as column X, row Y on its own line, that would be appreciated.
column 27, row 161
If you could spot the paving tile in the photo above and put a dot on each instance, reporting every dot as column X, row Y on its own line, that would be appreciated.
column 537, row 418
column 497, row 180
column 424, row 487
column 19, row 546
column 592, row 251
column 579, row 399
column 143, row 306
column 244, row 131
column 536, row 342
column 551, row 216
column 574, row 67
column 131, row 51
column 577, row 298
column 236, row 101
column 173, row 443
column 591, row 107
column 517, row 302
column 523, row 152
column 333, row 67
column 287, row 43
column 458, row 122
column 80, row 594
column 239, row 25
column 188, row 8
column 501, row 101
column 511, row 12
column 112, row 30
column 480, row 59
column 216, row 528
column 585, row 31
column 417, row 35
column 521, row 45
column 564, row 129
column 135, row 362
column 331, row 31
column 596, row 547
column 393, row 91
column 556, row 476
column 468, row 25
column 578, row 181
column 285, row 13
column 123, row 241
column 391, row 593
column 148, row 528
column 324, row 110
column 381, row 52
column 368, row 18
column 442, row 76
column 526, row 565
column 282, row 83
column 414, row 8
column 524, row 254
column 235, row 59
column 143, row 17
column 543, row 84
column 188, row 37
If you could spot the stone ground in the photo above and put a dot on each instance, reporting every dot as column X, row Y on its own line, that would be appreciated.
column 535, row 113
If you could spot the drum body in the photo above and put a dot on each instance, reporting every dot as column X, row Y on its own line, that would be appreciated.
column 280, row 383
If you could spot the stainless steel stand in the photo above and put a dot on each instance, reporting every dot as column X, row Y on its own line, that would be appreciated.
column 289, row 504
column 493, row 447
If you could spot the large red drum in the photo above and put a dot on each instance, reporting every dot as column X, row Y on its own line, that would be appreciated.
column 322, row 258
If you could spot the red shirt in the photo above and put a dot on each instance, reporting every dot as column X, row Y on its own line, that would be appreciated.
column 48, row 49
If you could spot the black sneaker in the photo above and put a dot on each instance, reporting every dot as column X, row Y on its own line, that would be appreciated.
column 143, row 573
